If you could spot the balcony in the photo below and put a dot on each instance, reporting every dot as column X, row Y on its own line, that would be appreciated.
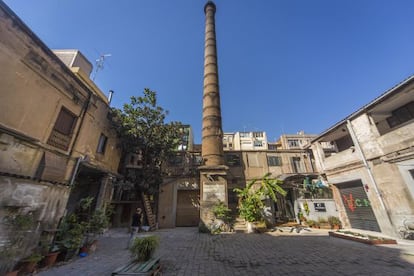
column 59, row 140
column 341, row 159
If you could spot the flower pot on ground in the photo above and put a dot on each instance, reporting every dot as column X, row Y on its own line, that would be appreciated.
column 70, row 236
column 12, row 273
column 143, row 247
column 29, row 263
column 334, row 222
column 50, row 259
column 95, row 222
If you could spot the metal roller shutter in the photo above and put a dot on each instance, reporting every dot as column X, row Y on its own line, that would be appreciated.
column 357, row 206
column 188, row 213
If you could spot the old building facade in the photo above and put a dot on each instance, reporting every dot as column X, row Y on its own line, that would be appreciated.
column 371, row 162
column 179, row 194
column 55, row 138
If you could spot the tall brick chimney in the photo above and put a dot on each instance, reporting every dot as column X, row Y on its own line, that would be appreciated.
column 213, row 173
column 212, row 133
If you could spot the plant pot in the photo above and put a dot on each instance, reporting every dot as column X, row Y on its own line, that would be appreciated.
column 50, row 259
column 12, row 273
column 28, row 267
column 65, row 256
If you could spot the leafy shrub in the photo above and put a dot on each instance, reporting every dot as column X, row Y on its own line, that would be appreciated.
column 143, row 248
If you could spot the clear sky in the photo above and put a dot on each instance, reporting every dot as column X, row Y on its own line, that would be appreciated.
column 284, row 65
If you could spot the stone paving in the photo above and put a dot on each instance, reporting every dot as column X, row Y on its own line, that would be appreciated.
column 184, row 251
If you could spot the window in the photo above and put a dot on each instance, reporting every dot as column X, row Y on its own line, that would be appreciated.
column 344, row 143
column 272, row 147
column 65, row 122
column 401, row 115
column 257, row 134
column 61, row 134
column 293, row 143
column 232, row 160
column 244, row 134
column 274, row 161
column 102, row 144
column 297, row 165
column 258, row 143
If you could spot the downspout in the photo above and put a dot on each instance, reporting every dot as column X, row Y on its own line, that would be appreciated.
column 75, row 170
column 82, row 118
column 368, row 168
column 81, row 158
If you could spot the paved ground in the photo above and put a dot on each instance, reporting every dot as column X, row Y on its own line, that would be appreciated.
column 184, row 251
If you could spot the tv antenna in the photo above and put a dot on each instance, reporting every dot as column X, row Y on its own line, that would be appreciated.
column 100, row 64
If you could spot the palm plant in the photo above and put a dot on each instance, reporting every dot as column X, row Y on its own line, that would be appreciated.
column 251, row 197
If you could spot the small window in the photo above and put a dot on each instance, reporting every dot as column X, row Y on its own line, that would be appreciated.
column 274, row 161
column 401, row 115
column 293, row 143
column 232, row 160
column 102, row 144
column 65, row 122
column 61, row 134
column 244, row 134
column 258, row 143
column 257, row 134
column 297, row 165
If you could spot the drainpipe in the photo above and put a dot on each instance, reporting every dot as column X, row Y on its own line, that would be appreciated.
column 75, row 170
column 366, row 165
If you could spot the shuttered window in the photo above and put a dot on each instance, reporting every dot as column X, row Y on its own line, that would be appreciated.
column 62, row 131
column 65, row 122
column 274, row 161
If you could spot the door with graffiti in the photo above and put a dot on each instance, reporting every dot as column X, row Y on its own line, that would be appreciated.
column 357, row 205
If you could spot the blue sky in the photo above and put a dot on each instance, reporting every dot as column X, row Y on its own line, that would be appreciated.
column 284, row 65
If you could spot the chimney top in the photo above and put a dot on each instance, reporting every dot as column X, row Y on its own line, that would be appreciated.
column 210, row 4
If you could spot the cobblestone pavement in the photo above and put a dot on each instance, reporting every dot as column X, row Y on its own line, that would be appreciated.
column 184, row 251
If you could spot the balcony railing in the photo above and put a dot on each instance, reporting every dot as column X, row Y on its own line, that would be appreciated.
column 59, row 140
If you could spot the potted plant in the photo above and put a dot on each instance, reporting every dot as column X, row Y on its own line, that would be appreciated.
column 323, row 223
column 251, row 203
column 16, row 226
column 143, row 248
column 30, row 263
column 334, row 222
column 8, row 261
column 70, row 236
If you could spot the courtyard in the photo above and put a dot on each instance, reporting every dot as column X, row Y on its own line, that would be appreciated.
column 185, row 251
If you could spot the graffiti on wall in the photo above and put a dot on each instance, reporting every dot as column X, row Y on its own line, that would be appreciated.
column 354, row 203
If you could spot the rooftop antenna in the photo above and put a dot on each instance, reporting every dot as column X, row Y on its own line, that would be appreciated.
column 100, row 64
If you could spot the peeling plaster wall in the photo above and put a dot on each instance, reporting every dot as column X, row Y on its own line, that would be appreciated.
column 17, row 157
column 46, row 200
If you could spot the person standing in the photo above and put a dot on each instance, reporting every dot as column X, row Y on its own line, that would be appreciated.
column 137, row 220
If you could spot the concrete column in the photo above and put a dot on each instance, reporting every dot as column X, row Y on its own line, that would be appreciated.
column 212, row 134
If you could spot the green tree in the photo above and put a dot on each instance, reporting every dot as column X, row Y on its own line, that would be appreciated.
column 142, row 129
